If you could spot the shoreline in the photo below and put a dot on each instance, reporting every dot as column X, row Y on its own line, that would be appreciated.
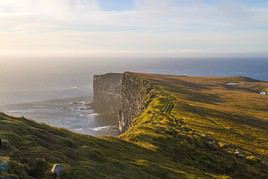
column 69, row 113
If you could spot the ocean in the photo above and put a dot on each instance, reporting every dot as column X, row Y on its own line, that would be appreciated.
column 58, row 91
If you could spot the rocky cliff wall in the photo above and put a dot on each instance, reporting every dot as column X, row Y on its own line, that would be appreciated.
column 120, row 94
column 107, row 92
column 133, row 99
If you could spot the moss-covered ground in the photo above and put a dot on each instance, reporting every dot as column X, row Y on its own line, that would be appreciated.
column 191, row 127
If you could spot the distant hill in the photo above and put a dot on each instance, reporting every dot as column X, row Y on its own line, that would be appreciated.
column 184, row 127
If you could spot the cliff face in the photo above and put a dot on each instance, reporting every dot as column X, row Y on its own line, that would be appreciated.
column 133, row 99
column 123, row 94
column 107, row 89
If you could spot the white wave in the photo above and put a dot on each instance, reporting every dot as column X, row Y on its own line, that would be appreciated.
column 101, row 128
column 79, row 102
column 79, row 129
column 94, row 114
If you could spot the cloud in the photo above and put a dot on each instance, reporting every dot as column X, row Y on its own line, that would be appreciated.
column 151, row 26
column 146, row 14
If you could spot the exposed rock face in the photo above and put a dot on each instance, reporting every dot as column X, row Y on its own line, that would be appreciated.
column 107, row 89
column 133, row 99
column 122, row 94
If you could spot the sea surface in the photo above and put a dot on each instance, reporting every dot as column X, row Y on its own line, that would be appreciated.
column 58, row 91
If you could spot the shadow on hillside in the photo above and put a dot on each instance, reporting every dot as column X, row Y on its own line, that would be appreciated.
column 241, row 119
column 190, row 90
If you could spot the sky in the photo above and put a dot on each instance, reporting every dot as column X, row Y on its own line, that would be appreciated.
column 153, row 28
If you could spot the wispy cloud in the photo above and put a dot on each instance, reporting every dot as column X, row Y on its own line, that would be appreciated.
column 172, row 27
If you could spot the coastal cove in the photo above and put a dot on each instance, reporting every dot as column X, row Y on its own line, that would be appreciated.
column 75, row 114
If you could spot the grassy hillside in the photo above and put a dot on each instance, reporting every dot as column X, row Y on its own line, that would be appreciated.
column 190, row 127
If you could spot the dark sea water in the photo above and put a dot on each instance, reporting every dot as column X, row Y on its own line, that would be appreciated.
column 57, row 91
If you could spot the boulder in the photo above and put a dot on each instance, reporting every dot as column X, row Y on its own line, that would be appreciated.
column 57, row 170
column 4, row 164
column 263, row 93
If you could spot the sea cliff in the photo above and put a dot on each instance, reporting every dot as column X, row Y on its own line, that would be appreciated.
column 107, row 89
column 120, row 94
column 134, row 92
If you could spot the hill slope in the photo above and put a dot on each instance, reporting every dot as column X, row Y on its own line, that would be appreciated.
column 188, row 127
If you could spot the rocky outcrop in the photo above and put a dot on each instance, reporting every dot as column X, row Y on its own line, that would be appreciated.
column 122, row 94
column 133, row 99
column 107, row 89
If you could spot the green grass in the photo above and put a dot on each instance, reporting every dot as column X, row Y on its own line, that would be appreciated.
column 191, row 127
